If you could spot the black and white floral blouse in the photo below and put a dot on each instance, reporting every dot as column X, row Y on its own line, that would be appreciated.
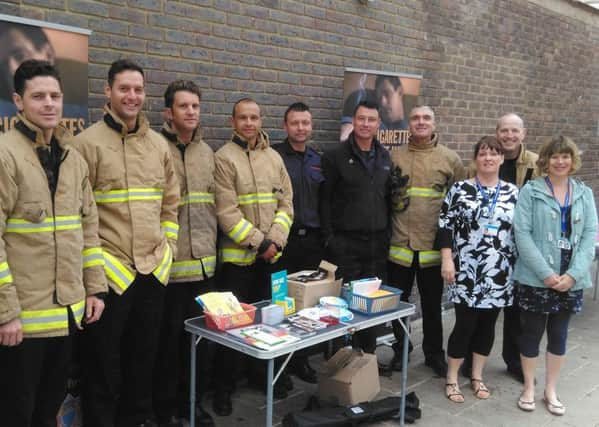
column 483, row 246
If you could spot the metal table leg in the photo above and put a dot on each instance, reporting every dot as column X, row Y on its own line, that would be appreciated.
column 404, row 368
column 269, row 387
column 192, row 381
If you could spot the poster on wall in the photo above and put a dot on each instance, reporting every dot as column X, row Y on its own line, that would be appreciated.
column 394, row 93
column 64, row 46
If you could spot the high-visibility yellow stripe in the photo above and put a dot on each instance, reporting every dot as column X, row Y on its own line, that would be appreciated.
column 403, row 256
column 78, row 310
column 92, row 257
column 196, row 197
column 238, row 256
column 424, row 192
column 171, row 229
column 256, row 198
column 162, row 271
column 283, row 219
column 240, row 231
column 117, row 272
column 429, row 258
column 128, row 195
column 5, row 275
column 190, row 268
column 48, row 225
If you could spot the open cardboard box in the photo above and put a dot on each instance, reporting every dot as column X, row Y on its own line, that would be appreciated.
column 308, row 294
column 349, row 377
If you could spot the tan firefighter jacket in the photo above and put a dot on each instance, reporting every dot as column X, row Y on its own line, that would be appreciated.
column 50, row 256
column 194, row 164
column 526, row 167
column 137, row 194
column 254, row 199
column 431, row 169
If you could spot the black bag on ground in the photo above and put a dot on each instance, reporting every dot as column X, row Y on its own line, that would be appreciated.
column 342, row 416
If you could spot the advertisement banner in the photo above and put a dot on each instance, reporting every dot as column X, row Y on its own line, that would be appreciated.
column 65, row 47
column 394, row 93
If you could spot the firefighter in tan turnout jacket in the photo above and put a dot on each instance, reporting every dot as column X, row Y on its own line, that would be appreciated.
column 193, row 271
column 137, row 193
column 427, row 170
column 254, row 207
column 51, row 276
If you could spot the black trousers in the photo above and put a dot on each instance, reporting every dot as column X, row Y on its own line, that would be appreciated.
column 33, row 380
column 119, row 356
column 171, row 376
column 359, row 255
column 250, row 284
column 474, row 329
column 430, row 287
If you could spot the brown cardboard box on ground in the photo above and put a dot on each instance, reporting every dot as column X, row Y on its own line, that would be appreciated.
column 349, row 377
column 308, row 294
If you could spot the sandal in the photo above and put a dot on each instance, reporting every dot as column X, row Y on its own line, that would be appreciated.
column 527, row 406
column 481, row 392
column 453, row 393
column 554, row 408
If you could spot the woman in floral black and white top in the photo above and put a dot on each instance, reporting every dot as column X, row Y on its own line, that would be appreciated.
column 478, row 254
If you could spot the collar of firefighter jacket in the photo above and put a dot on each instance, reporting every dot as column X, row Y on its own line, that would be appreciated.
column 115, row 123
column 262, row 142
column 424, row 147
column 35, row 134
column 168, row 132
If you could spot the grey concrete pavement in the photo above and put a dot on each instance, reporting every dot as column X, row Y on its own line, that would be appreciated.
column 578, row 387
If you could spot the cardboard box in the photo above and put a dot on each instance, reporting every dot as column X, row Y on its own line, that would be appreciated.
column 349, row 377
column 308, row 294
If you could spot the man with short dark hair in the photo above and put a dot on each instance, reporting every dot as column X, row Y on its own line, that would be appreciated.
column 51, row 276
column 304, row 249
column 137, row 193
column 192, row 273
column 354, row 211
column 428, row 169
column 389, row 93
column 254, row 207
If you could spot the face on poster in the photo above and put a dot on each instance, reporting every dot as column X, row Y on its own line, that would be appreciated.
column 67, row 50
column 394, row 93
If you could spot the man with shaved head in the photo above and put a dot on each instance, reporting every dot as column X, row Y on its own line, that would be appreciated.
column 518, row 167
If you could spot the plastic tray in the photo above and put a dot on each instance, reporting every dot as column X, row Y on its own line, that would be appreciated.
column 373, row 305
column 230, row 321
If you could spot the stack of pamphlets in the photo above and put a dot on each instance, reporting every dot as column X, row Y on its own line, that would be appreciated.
column 264, row 337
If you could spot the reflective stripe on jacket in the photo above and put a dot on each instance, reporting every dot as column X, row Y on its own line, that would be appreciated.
column 431, row 169
column 136, row 190
column 194, row 164
column 254, row 199
column 50, row 255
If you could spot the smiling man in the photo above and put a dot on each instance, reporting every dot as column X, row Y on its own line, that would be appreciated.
column 431, row 169
column 137, row 193
column 51, row 277
column 254, row 208
column 355, row 205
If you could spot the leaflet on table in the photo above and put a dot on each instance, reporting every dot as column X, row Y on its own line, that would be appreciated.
column 220, row 303
column 263, row 336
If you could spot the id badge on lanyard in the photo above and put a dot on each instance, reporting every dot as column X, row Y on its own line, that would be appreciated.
column 562, row 242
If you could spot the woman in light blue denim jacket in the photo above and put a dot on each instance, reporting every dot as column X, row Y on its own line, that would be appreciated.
column 555, row 226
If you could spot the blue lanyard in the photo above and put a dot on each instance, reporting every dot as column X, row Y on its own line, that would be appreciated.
column 485, row 196
column 563, row 210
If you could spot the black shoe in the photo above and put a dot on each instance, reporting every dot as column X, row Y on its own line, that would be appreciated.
column 466, row 370
column 516, row 372
column 285, row 381
column 396, row 361
column 279, row 391
column 438, row 365
column 203, row 418
column 171, row 421
column 147, row 423
column 305, row 373
column 221, row 403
